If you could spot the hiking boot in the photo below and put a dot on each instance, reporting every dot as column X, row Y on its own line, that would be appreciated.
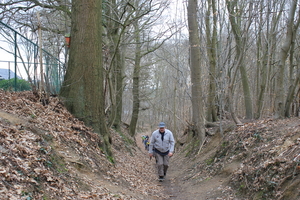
column 161, row 178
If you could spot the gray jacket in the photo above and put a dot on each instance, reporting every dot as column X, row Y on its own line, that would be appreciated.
column 162, row 146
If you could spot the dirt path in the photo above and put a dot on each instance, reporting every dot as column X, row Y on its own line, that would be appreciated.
column 182, row 184
column 49, row 145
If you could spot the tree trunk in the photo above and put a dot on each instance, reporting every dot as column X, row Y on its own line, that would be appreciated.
column 82, row 90
column 115, row 71
column 195, row 66
column 230, row 105
column 136, row 82
column 119, row 90
column 293, row 79
column 266, row 52
column 211, row 52
column 291, row 96
column 231, row 93
column 283, row 54
column 240, row 46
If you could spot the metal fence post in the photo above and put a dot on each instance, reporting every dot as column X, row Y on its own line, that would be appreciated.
column 15, row 61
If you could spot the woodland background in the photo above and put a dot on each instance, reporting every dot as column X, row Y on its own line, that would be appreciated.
column 187, row 63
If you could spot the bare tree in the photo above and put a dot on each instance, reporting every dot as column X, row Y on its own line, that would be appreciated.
column 211, row 38
column 235, row 9
column 280, row 106
column 195, row 66
column 144, row 44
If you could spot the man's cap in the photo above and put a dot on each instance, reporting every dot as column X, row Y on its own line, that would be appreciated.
column 162, row 125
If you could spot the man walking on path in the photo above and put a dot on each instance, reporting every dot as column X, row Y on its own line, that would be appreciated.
column 162, row 147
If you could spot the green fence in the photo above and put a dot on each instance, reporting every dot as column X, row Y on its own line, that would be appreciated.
column 21, row 55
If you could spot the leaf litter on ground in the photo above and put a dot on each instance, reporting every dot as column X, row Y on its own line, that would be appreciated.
column 46, row 153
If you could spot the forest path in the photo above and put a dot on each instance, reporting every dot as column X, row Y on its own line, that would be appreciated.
column 47, row 143
column 182, row 184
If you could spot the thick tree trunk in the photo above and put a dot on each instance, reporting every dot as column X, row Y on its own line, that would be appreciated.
column 292, row 89
column 262, row 63
column 280, row 94
column 230, row 95
column 293, row 75
column 136, row 83
column 82, row 90
column 119, row 90
column 212, row 56
column 195, row 66
column 232, row 111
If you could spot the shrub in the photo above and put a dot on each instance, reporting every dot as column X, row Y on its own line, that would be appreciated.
column 22, row 85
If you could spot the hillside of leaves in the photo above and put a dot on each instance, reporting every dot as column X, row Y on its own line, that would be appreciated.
column 260, row 160
column 46, row 153
column 270, row 150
